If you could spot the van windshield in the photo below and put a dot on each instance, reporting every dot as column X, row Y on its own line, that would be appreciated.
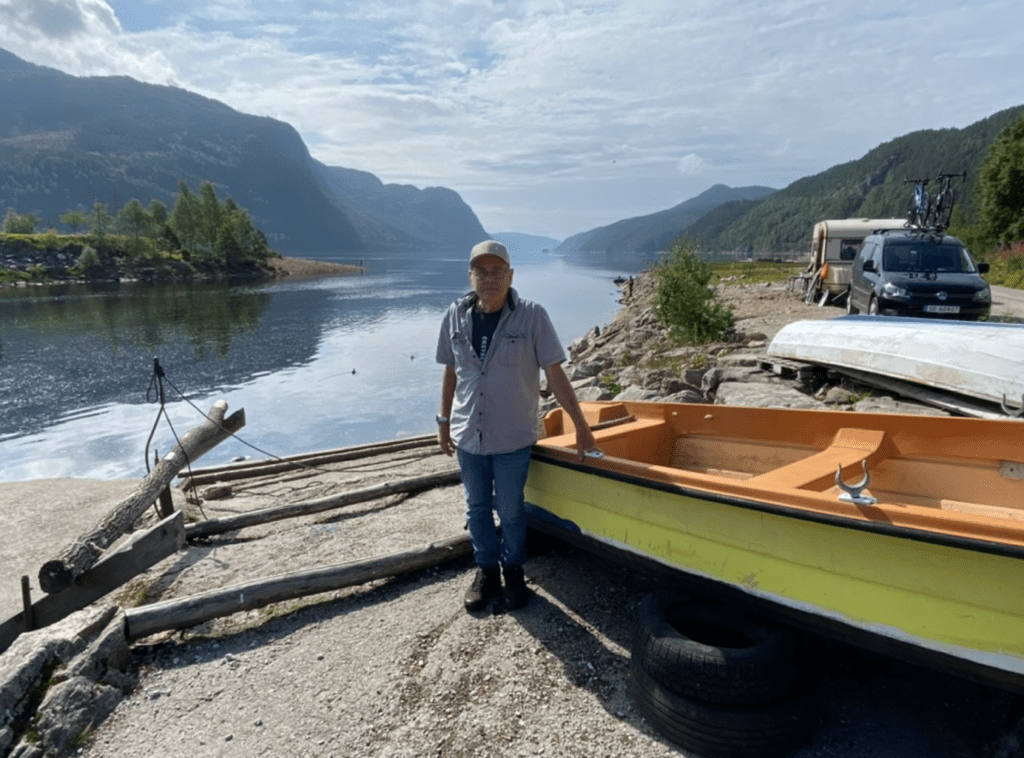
column 922, row 255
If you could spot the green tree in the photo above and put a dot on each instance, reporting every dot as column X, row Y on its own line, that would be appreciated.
column 100, row 220
column 159, row 214
column 1000, row 189
column 15, row 223
column 135, row 220
column 683, row 299
column 211, row 213
column 76, row 219
column 186, row 219
column 239, row 241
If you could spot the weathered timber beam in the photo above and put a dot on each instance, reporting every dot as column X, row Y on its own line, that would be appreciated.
column 59, row 573
column 143, row 550
column 190, row 611
column 947, row 401
column 253, row 469
column 307, row 507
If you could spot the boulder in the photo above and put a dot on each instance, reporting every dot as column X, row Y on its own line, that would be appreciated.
column 885, row 404
column 764, row 395
column 633, row 392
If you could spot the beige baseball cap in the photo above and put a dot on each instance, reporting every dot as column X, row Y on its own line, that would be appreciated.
column 489, row 247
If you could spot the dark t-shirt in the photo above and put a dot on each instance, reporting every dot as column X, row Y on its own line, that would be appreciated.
column 484, row 325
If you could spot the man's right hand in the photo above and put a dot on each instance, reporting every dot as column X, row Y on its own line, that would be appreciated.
column 444, row 439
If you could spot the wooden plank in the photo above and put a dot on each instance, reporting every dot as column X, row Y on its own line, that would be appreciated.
column 945, row 401
column 307, row 507
column 267, row 466
column 143, row 550
column 190, row 611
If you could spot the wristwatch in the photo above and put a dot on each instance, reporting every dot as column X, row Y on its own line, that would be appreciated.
column 441, row 419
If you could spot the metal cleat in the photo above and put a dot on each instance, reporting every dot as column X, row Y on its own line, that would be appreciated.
column 854, row 493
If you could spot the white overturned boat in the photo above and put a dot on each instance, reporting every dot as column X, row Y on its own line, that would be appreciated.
column 980, row 360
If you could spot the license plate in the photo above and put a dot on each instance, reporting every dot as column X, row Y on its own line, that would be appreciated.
column 942, row 309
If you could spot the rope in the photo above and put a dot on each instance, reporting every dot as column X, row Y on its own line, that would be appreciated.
column 157, row 380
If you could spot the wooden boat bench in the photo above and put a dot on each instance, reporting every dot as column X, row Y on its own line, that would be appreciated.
column 818, row 471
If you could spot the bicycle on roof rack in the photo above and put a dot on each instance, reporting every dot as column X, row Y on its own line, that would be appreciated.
column 923, row 212
column 920, row 208
column 942, row 211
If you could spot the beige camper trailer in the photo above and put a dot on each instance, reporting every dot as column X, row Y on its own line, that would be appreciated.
column 834, row 245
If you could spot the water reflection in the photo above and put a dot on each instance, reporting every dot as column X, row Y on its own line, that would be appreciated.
column 316, row 364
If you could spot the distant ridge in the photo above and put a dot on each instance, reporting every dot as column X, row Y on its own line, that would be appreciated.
column 655, row 232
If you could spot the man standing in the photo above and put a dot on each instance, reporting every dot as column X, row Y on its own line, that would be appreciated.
column 493, row 345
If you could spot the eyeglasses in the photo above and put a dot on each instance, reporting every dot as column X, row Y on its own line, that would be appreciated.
column 489, row 273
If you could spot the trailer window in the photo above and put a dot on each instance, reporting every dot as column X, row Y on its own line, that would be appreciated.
column 848, row 249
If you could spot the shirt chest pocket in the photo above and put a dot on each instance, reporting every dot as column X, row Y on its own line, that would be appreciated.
column 513, row 349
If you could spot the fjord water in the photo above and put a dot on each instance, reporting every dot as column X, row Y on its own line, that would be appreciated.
column 315, row 363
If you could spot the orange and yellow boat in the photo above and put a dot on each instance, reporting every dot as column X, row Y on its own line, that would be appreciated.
column 903, row 534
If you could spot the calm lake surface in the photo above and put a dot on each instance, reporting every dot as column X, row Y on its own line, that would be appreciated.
column 316, row 364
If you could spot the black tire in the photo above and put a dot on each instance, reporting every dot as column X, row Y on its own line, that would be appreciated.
column 712, row 653
column 944, row 207
column 850, row 309
column 724, row 731
column 873, row 306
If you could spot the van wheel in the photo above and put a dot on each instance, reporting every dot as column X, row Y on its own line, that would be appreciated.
column 873, row 306
column 850, row 309
column 713, row 653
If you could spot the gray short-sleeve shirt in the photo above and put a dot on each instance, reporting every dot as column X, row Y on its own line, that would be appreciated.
column 497, row 397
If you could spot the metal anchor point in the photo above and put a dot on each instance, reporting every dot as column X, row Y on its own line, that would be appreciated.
column 854, row 493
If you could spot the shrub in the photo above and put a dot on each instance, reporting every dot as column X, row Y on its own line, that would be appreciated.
column 683, row 300
column 89, row 263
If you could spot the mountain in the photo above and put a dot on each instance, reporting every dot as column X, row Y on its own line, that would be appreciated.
column 655, row 232
column 67, row 142
column 873, row 186
column 525, row 244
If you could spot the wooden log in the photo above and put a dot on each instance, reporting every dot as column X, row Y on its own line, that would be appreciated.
column 253, row 469
column 59, row 573
column 264, row 515
column 143, row 550
column 947, row 401
column 185, row 612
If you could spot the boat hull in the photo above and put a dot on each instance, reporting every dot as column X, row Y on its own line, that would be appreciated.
column 977, row 359
column 947, row 599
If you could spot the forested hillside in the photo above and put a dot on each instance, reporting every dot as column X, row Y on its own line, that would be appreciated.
column 68, row 142
column 871, row 187
column 654, row 232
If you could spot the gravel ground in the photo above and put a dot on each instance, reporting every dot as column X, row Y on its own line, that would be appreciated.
column 398, row 668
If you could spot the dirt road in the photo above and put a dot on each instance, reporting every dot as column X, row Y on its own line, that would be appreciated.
column 1008, row 304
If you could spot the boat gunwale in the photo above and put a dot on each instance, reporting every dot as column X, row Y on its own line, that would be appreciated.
column 560, row 457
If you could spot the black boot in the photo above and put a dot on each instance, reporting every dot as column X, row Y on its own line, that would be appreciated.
column 486, row 584
column 516, row 594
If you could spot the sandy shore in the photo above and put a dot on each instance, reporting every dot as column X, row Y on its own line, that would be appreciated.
column 307, row 267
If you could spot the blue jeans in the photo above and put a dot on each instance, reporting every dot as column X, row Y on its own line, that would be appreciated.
column 495, row 483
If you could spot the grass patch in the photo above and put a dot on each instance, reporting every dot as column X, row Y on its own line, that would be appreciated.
column 755, row 272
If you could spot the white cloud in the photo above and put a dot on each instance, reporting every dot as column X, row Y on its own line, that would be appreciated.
column 493, row 98
column 691, row 164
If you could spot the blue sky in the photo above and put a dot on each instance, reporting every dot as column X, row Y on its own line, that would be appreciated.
column 556, row 116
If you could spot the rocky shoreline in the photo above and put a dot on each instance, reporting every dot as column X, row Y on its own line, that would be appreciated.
column 632, row 358
column 43, row 267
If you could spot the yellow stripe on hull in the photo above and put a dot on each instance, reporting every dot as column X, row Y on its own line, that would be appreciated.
column 947, row 599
